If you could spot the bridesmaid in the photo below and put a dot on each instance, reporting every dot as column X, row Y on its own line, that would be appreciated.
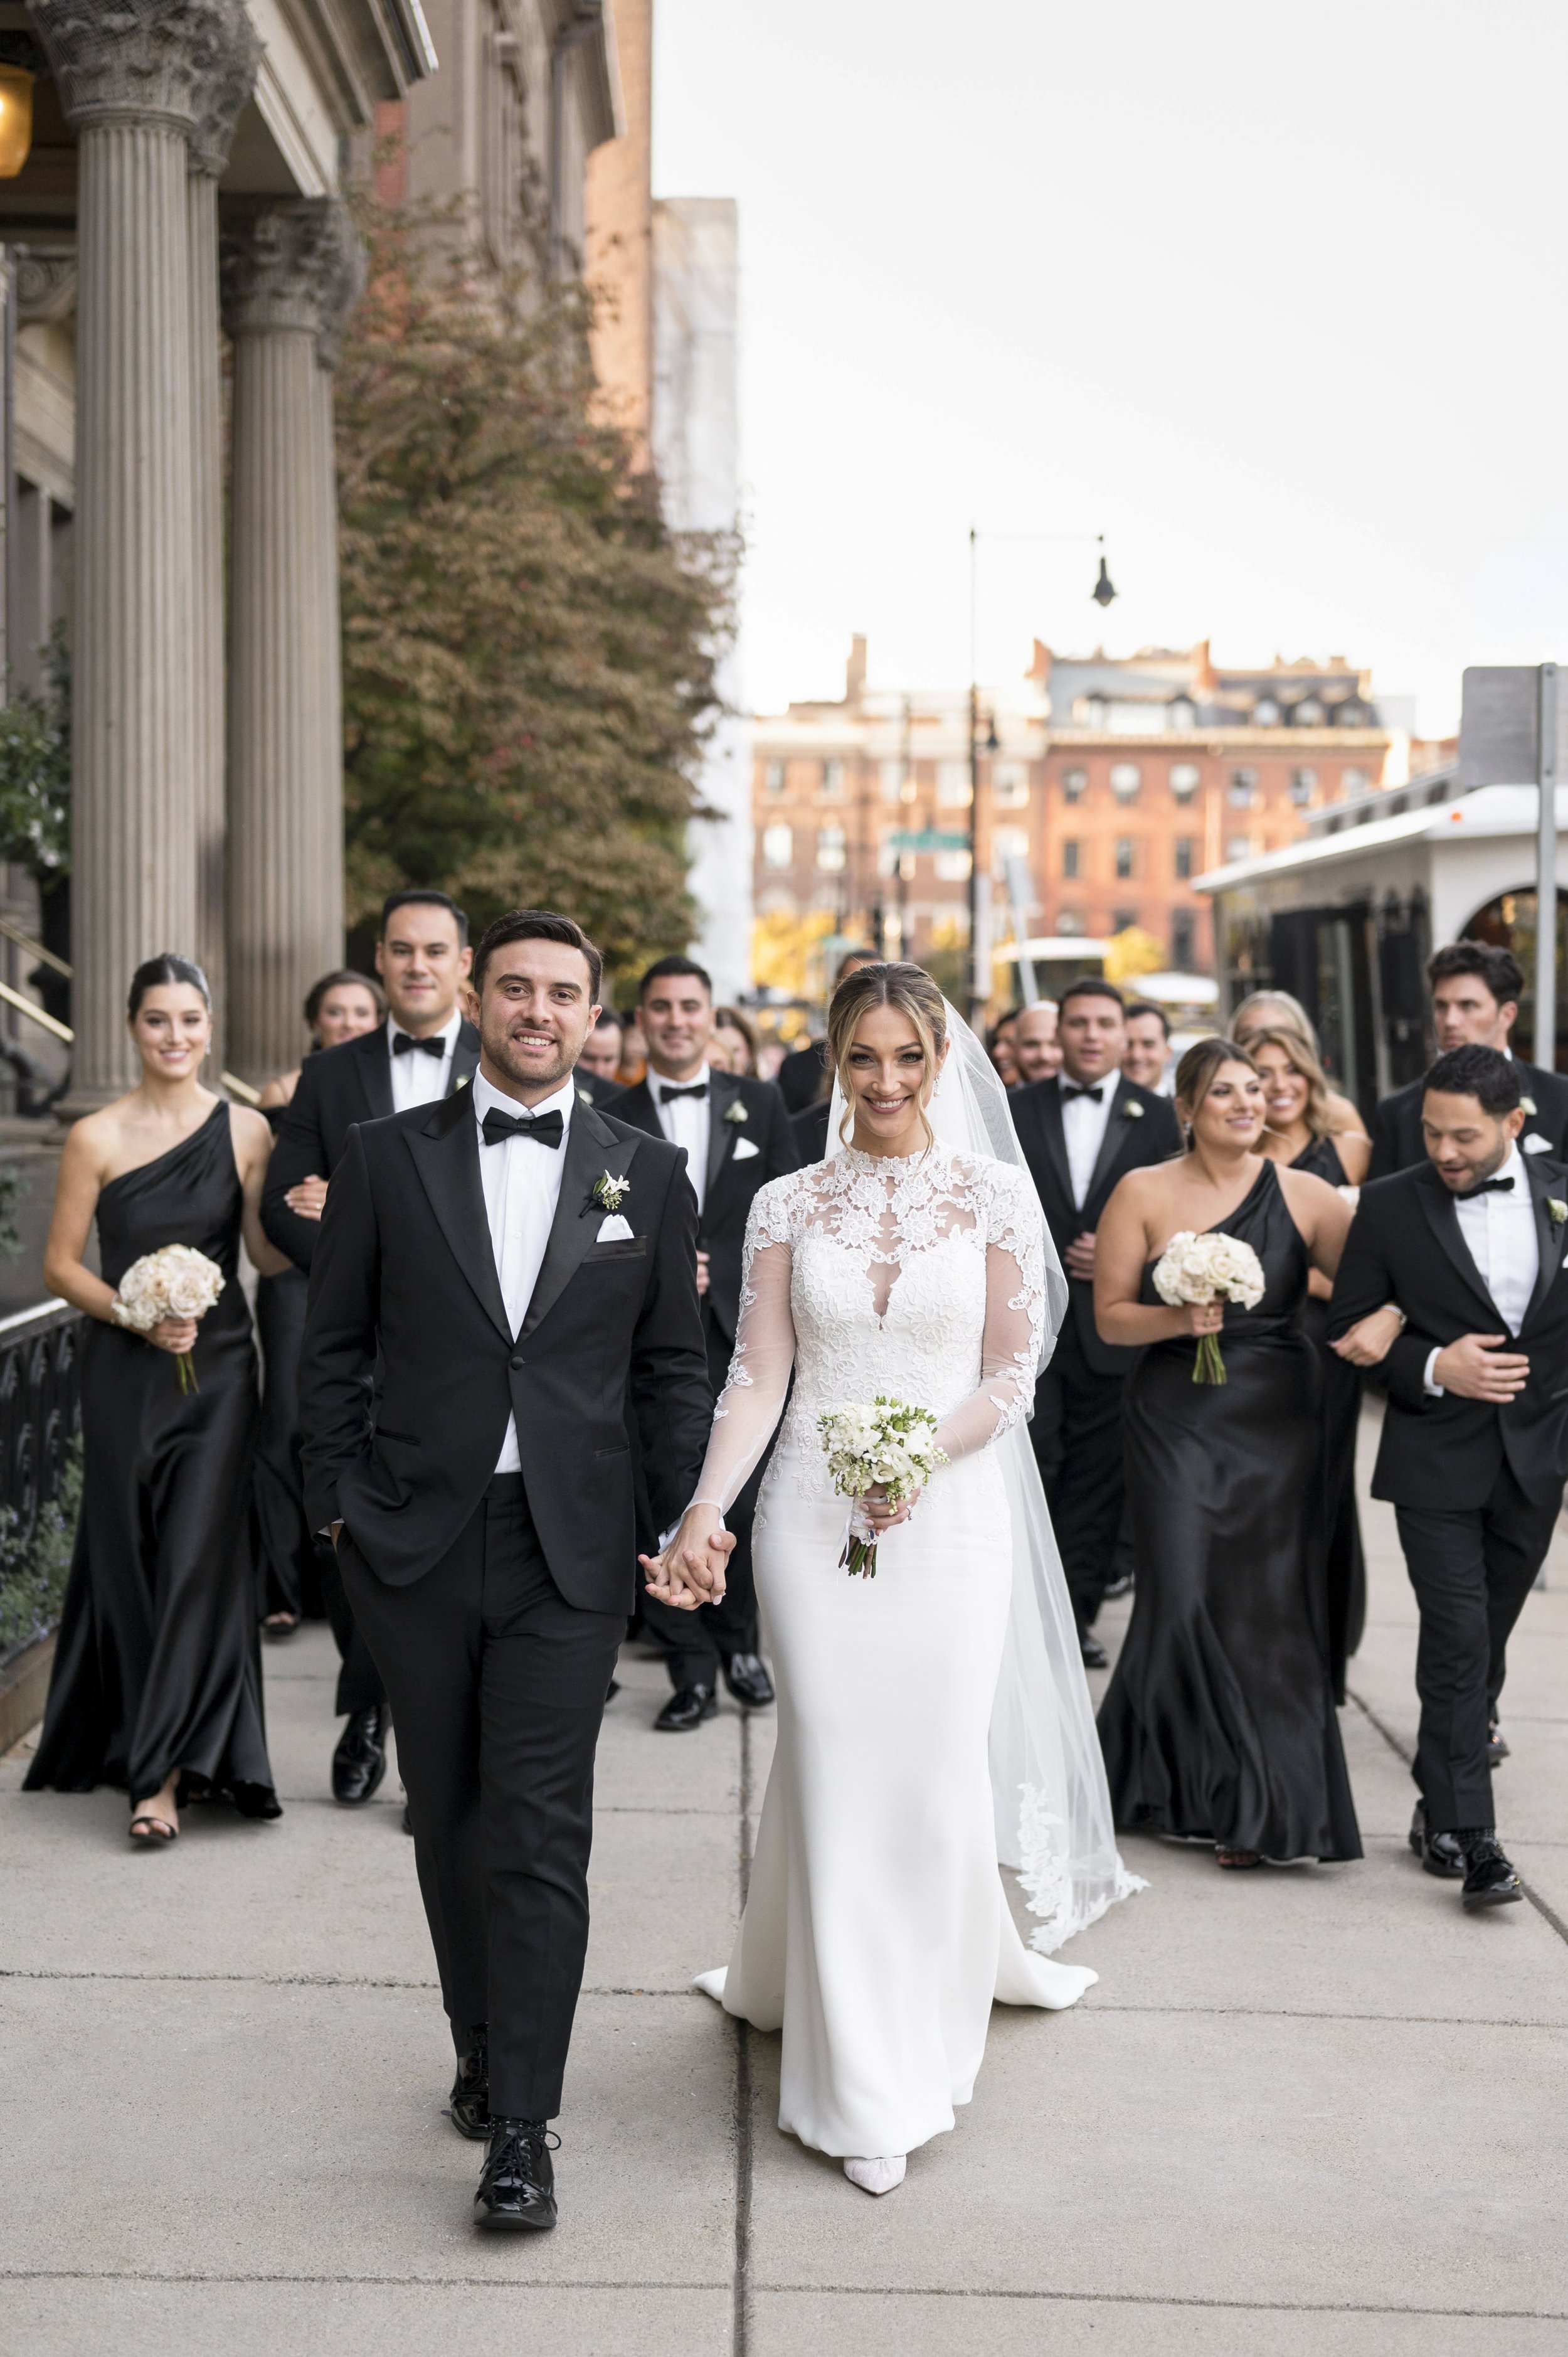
column 1305, row 1133
column 156, row 1681
column 1276, row 1010
column 1218, row 1724
column 340, row 1006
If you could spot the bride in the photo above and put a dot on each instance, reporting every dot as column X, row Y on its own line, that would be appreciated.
column 935, row 1719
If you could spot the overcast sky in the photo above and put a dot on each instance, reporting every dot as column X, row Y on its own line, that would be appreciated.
column 1272, row 297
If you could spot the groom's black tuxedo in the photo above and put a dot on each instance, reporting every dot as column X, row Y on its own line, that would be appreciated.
column 1077, row 1426
column 1477, row 1489
column 495, row 1603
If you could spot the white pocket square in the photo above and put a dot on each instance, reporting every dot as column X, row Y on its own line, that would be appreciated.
column 1536, row 1144
column 615, row 1230
column 745, row 1149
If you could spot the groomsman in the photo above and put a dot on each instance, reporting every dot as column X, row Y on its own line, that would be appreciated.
column 1080, row 1132
column 424, row 1051
column 801, row 1074
column 1464, row 1257
column 737, row 1136
column 1474, row 1002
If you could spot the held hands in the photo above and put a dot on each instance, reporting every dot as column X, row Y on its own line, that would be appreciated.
column 176, row 1335
column 1477, row 1369
column 1369, row 1341
column 1079, row 1255
column 690, row 1570
column 308, row 1199
column 703, row 1279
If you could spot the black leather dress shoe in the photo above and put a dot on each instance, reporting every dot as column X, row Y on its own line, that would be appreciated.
column 1095, row 1656
column 469, row 2109
column 686, row 1710
column 1490, row 1880
column 1497, row 1750
column 1440, row 1853
column 517, row 2188
column 748, row 1681
column 360, row 1759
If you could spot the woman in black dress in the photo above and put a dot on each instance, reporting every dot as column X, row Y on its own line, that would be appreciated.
column 1305, row 1133
column 157, row 1673
column 340, row 1006
column 1219, row 1725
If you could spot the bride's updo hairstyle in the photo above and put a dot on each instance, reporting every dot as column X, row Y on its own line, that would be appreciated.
column 911, row 989
column 156, row 973
column 1194, row 1075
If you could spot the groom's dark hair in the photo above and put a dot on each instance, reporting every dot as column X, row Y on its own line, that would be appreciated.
column 537, row 925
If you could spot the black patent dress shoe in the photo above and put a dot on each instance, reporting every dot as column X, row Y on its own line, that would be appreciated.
column 360, row 1759
column 1497, row 1750
column 469, row 2109
column 407, row 1818
column 1440, row 1853
column 1490, row 1879
column 517, row 2188
column 1095, row 1656
column 686, row 1710
column 748, row 1681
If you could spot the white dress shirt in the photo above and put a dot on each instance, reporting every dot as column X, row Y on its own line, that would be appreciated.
column 1083, row 1127
column 689, row 1122
column 1500, row 1237
column 418, row 1078
column 523, row 1187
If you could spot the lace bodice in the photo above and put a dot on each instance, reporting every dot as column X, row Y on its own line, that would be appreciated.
column 923, row 1277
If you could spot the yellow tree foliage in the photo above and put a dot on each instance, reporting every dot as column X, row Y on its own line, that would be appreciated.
column 785, row 951
column 1131, row 952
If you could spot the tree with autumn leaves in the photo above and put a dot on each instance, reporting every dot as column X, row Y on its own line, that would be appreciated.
column 528, row 653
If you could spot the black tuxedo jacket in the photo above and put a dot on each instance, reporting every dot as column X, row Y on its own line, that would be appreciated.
column 337, row 1087
column 1397, row 1144
column 799, row 1079
column 734, row 1175
column 1141, row 1128
column 809, row 1132
column 409, row 1368
column 1405, row 1245
column 600, row 1094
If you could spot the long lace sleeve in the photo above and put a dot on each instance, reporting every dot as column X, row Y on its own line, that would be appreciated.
column 1015, row 1316
column 752, row 1400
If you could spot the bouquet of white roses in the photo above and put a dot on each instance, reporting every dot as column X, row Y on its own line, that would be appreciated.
column 1209, row 1267
column 177, row 1281
column 888, row 1444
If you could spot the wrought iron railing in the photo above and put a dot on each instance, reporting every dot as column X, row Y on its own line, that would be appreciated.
column 39, row 1409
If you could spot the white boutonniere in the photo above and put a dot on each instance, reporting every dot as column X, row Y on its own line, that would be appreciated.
column 1559, row 1211
column 610, row 1192
column 461, row 1081
column 736, row 1112
column 1131, row 1110
column 1527, row 1104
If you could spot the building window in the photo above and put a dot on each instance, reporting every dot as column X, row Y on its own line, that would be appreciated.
column 952, row 785
column 1182, row 713
column 952, row 867
column 1010, row 785
column 1183, row 856
column 1182, row 941
column 1185, row 778
column 1125, row 780
column 887, row 857
column 1010, row 841
column 1068, row 921
column 778, row 845
column 1237, row 846
column 891, row 774
column 1309, row 712
column 832, row 783
column 1073, row 784
column 1266, row 711
column 1069, row 856
column 776, row 776
column 1243, row 786
column 831, row 850
column 1303, row 787
column 1123, row 857
column 1354, row 782
column 1122, row 920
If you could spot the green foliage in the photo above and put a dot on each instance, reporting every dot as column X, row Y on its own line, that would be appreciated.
column 529, row 653
column 33, row 1574
column 35, row 772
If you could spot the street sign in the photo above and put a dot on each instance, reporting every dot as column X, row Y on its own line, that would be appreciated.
column 927, row 838
column 1498, row 727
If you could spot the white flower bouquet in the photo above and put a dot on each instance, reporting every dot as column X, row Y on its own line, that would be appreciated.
column 1209, row 1267
column 175, row 1281
column 889, row 1445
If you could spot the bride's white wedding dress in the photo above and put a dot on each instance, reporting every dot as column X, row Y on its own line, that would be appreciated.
column 877, row 1933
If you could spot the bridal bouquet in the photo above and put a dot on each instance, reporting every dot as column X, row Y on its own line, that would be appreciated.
column 177, row 1281
column 889, row 1443
column 1209, row 1267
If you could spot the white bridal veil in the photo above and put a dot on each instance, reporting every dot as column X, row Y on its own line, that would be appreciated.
column 1047, row 1778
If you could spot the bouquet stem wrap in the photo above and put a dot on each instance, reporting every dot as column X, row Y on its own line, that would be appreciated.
column 888, row 1445
column 1194, row 1270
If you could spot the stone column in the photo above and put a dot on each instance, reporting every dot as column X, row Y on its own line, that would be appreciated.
column 291, row 273
column 127, row 80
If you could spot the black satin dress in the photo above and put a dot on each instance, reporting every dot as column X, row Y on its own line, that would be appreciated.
column 287, row 1579
column 1218, row 1724
column 158, row 1665
column 1347, row 1568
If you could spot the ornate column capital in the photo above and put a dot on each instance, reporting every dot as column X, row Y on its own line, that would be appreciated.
column 222, row 90
column 142, row 62
column 294, row 263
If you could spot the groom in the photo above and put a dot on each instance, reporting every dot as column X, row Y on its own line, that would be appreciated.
column 502, row 1299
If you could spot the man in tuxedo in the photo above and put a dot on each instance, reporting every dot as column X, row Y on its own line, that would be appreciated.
column 1475, row 1001
column 1464, row 1257
column 737, row 1136
column 424, row 1051
column 503, row 1294
column 600, row 1060
column 800, row 1075
column 1037, row 1050
column 1080, row 1132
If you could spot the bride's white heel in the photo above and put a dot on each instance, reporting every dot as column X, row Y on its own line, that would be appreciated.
column 875, row 2176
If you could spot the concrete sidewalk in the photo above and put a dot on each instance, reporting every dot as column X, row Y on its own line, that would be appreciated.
column 1311, row 2111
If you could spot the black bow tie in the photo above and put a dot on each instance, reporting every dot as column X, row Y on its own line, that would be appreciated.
column 668, row 1096
column 1486, row 1187
column 547, row 1128
column 1095, row 1094
column 404, row 1043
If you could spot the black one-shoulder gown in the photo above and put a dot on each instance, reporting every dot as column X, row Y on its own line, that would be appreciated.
column 158, row 1665
column 1218, row 1724
column 1346, row 1571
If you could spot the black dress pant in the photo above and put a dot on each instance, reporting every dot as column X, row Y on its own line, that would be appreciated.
column 1471, row 1573
column 696, row 1643
column 360, row 1686
column 497, row 1687
column 1077, row 1436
